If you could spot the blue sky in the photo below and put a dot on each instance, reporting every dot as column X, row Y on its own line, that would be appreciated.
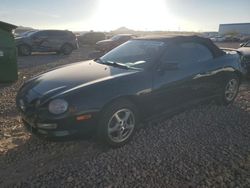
column 191, row 15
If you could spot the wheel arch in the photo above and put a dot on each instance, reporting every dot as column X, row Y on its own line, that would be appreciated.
column 128, row 98
column 66, row 43
column 23, row 44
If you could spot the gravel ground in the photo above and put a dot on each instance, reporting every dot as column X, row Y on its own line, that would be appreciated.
column 206, row 146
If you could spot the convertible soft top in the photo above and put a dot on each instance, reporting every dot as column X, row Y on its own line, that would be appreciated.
column 217, row 52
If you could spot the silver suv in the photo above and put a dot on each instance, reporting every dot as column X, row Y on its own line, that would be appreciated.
column 60, row 41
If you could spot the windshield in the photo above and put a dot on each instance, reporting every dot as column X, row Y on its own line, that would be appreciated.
column 135, row 53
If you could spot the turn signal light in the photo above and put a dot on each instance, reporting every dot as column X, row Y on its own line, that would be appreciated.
column 83, row 117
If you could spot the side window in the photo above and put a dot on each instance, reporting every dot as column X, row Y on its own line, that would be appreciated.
column 67, row 34
column 172, row 55
column 203, row 53
column 50, row 33
column 248, row 44
column 55, row 33
column 41, row 34
column 183, row 53
column 186, row 53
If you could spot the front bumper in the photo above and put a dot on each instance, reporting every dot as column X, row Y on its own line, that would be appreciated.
column 65, row 127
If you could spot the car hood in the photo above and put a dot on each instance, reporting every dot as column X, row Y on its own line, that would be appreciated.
column 74, row 76
column 245, row 51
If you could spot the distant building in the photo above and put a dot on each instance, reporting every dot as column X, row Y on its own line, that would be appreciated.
column 237, row 28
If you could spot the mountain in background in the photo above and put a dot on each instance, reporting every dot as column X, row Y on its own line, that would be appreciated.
column 123, row 30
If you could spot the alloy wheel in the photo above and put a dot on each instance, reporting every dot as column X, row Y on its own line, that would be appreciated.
column 24, row 50
column 67, row 49
column 231, row 89
column 121, row 125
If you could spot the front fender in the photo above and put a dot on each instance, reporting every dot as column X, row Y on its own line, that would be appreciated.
column 95, row 97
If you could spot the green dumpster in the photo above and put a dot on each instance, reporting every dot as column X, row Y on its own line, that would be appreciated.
column 8, row 57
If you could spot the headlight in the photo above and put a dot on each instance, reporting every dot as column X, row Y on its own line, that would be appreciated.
column 58, row 106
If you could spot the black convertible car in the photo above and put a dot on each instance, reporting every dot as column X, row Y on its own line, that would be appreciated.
column 135, row 81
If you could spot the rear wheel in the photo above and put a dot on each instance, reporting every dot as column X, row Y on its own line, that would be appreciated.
column 118, row 123
column 66, row 49
column 24, row 50
column 230, row 90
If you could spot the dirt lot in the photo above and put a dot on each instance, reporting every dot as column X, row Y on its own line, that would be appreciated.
column 207, row 146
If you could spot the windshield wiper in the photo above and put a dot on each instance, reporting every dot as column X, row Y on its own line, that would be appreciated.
column 114, row 64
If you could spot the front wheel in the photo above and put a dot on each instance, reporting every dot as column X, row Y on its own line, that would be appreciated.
column 66, row 49
column 24, row 50
column 117, row 124
column 230, row 91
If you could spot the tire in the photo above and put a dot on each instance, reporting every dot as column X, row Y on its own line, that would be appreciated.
column 230, row 91
column 117, row 123
column 66, row 49
column 24, row 50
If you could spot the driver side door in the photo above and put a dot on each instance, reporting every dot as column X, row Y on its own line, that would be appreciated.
column 40, row 41
column 169, row 90
column 174, row 84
